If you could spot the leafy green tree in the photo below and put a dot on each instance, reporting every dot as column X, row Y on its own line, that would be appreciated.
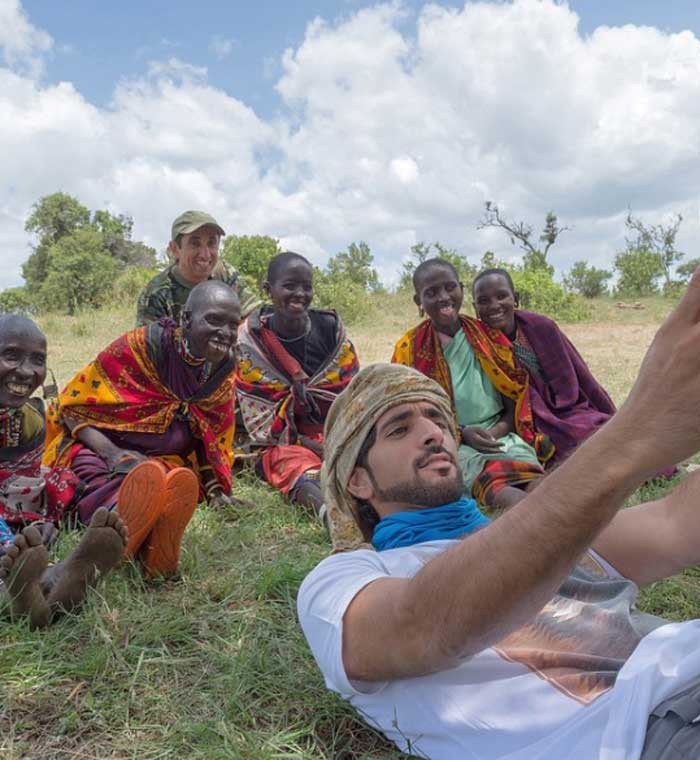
column 639, row 272
column 116, row 232
column 80, row 272
column 16, row 301
column 53, row 217
column 586, row 280
column 249, row 255
column 522, row 234
column 59, row 217
column 355, row 265
column 421, row 252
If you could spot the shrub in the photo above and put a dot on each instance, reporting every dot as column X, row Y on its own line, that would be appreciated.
column 130, row 283
column 640, row 271
column 16, row 301
column 587, row 281
column 348, row 298
column 539, row 292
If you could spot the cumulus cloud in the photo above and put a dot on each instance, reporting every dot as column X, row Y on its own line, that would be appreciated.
column 392, row 129
column 21, row 43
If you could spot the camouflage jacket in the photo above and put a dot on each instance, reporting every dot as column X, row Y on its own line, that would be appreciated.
column 166, row 293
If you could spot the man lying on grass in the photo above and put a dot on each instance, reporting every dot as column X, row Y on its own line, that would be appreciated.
column 34, row 499
column 460, row 637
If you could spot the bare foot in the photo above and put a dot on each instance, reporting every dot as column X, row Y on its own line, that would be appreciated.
column 21, row 568
column 100, row 550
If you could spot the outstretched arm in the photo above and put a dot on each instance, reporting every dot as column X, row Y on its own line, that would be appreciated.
column 495, row 580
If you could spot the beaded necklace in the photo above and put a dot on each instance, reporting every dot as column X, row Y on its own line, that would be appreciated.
column 188, row 356
column 10, row 427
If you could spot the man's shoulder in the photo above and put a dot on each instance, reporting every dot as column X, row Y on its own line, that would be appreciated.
column 161, row 281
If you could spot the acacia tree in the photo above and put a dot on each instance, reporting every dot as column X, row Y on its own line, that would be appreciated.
column 521, row 234
column 656, row 239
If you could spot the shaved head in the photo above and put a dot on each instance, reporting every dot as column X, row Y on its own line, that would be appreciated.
column 17, row 324
column 210, row 321
column 209, row 292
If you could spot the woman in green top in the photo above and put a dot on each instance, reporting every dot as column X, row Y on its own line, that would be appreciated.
column 500, row 451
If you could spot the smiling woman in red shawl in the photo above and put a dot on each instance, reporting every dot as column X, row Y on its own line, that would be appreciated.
column 500, row 451
column 294, row 361
column 29, row 494
column 153, row 409
column 568, row 403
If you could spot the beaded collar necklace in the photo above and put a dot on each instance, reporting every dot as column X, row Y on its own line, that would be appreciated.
column 10, row 427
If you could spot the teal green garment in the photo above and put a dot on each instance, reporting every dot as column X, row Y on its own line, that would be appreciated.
column 479, row 404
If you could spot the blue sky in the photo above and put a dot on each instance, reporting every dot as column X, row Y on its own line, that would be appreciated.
column 98, row 43
column 390, row 123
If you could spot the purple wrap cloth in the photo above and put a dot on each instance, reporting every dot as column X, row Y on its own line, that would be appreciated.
column 568, row 403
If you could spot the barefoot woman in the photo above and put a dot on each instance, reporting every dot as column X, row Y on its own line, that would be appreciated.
column 294, row 361
column 499, row 447
column 33, row 500
column 150, row 421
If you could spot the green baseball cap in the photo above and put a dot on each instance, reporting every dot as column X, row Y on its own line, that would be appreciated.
column 189, row 221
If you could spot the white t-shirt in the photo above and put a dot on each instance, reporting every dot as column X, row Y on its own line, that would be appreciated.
column 579, row 681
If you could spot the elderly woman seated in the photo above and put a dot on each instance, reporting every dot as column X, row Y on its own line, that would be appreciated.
column 500, row 452
column 33, row 499
column 148, row 426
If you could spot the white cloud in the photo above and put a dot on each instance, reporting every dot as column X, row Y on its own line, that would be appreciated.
column 21, row 43
column 392, row 130
column 221, row 47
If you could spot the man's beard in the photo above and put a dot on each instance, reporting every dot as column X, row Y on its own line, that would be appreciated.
column 418, row 493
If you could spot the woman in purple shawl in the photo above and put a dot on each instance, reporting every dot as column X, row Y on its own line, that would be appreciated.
column 568, row 403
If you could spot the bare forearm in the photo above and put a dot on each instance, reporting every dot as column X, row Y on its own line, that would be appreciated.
column 95, row 440
column 497, row 579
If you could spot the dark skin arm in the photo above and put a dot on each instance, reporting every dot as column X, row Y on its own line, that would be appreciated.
column 486, row 441
column 98, row 442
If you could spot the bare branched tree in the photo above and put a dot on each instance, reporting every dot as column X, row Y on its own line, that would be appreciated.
column 521, row 233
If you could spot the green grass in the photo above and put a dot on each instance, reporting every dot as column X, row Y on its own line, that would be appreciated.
column 213, row 665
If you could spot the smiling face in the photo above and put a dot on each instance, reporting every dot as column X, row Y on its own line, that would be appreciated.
column 291, row 291
column 495, row 302
column 210, row 323
column 197, row 253
column 412, row 463
column 22, row 361
column 439, row 293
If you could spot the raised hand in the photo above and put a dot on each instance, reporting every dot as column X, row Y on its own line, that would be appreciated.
column 662, row 412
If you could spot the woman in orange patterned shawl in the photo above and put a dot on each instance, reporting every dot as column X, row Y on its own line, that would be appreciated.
column 501, row 451
column 294, row 361
column 158, row 394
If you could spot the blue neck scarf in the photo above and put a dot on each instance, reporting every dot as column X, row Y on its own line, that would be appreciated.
column 453, row 520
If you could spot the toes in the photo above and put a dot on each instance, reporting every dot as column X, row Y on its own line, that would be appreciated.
column 100, row 518
column 113, row 520
column 12, row 552
column 32, row 534
column 20, row 543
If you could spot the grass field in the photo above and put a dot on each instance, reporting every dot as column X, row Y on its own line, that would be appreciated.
column 213, row 665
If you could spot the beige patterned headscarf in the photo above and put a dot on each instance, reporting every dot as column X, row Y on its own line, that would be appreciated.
column 354, row 413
